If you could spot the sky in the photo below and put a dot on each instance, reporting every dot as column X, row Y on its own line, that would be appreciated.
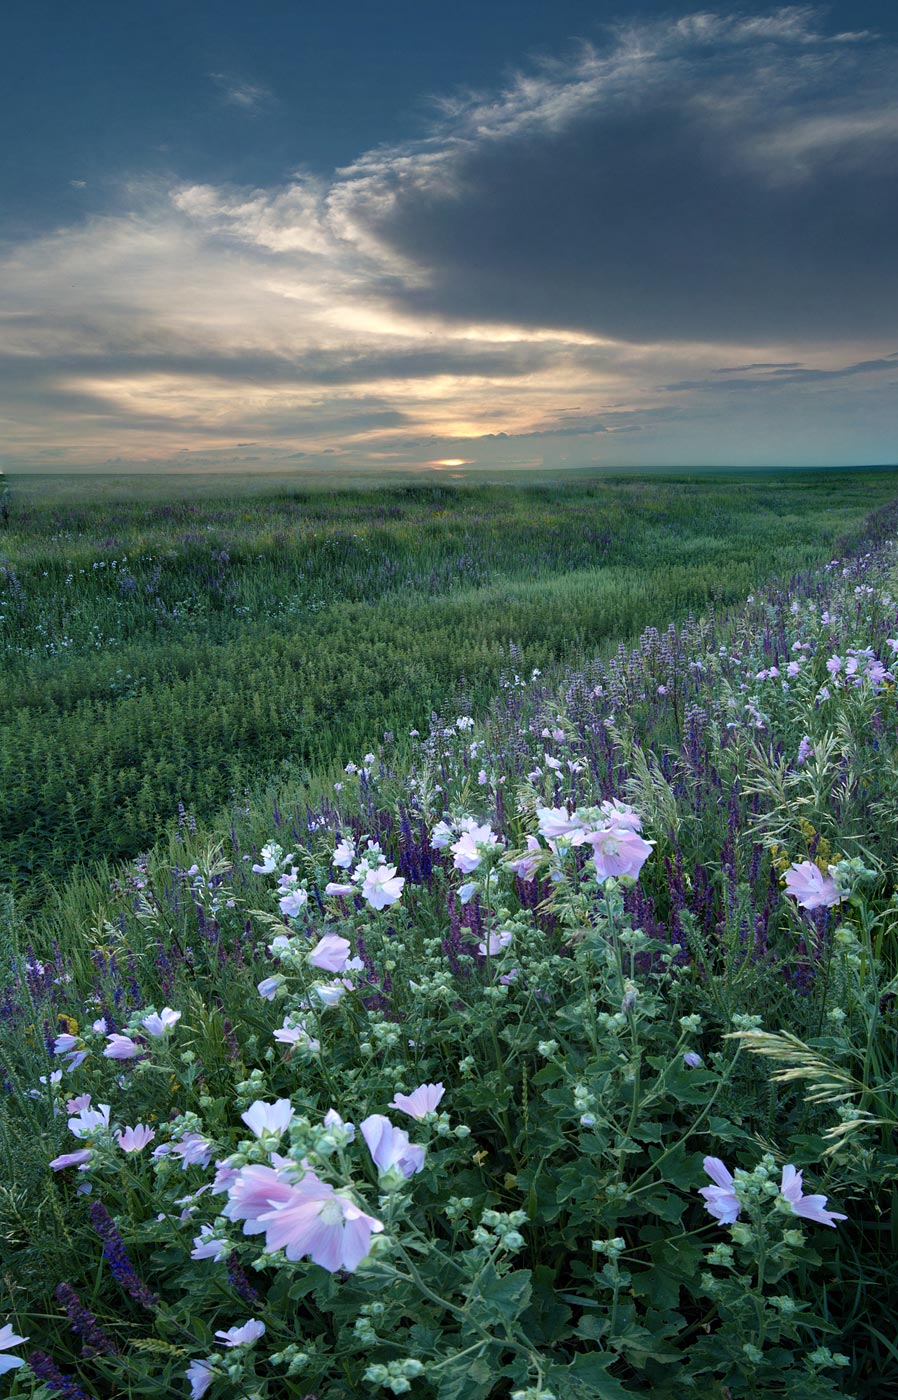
column 417, row 236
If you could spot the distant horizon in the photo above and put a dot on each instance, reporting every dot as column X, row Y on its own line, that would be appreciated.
column 615, row 236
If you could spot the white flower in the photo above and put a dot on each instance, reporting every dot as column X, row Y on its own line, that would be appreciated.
column 296, row 1034
column 269, row 1118
column 89, row 1120
column 272, row 858
column 291, row 903
column 162, row 1023
column 382, row 887
column 496, row 943
column 135, row 1139
column 242, row 1336
column 472, row 845
column 8, row 1338
column 344, row 855
column 205, row 1246
column 442, row 835
column 201, row 1375
column 330, row 994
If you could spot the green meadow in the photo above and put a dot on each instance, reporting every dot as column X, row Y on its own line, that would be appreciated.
column 189, row 641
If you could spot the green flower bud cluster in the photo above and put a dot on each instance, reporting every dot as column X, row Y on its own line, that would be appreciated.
column 395, row 1376
column 501, row 1227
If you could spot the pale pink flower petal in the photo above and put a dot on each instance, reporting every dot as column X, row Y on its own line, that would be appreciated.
column 390, row 1147
column 420, row 1101
column 811, row 888
column 331, row 953
column 808, row 1207
column 242, row 1336
column 135, row 1139
column 721, row 1200
column 72, row 1159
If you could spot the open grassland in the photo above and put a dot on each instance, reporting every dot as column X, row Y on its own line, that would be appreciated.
column 161, row 651
column 551, row 1057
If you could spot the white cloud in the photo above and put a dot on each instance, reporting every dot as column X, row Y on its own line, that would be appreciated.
column 239, row 92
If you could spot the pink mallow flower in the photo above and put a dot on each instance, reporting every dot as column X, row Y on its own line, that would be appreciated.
column 72, row 1159
column 242, row 1336
column 554, row 822
column 308, row 1218
column 268, row 1118
column 390, row 1147
column 121, row 1047
column 201, row 1375
column 470, row 847
column 251, row 1192
column 160, row 1024
column 525, row 866
column 618, row 850
column 382, row 887
column 420, row 1101
column 808, row 1207
column 341, row 891
column 206, row 1246
column 495, row 944
column 88, row 1120
column 135, row 1139
column 813, row 890
column 331, row 953
column 721, row 1200
column 9, row 1338
column 622, row 814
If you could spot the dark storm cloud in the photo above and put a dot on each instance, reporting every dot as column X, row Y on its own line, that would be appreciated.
column 716, row 178
column 787, row 374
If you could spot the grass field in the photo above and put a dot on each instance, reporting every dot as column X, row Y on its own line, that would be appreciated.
column 182, row 648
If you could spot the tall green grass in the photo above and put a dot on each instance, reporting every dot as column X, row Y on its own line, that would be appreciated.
column 184, row 650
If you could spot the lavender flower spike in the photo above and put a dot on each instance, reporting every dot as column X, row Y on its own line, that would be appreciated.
column 46, row 1370
column 116, row 1256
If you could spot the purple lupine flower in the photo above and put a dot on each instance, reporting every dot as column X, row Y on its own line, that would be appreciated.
column 94, row 1340
column 116, row 1256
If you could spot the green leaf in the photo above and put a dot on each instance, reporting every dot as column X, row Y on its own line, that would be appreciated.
column 586, row 1378
column 464, row 1379
column 546, row 1320
column 501, row 1299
